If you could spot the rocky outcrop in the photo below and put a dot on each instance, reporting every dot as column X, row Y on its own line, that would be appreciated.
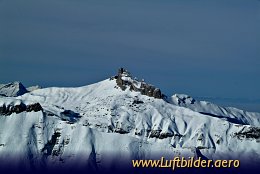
column 137, row 102
column 34, row 107
column 250, row 132
column 124, row 79
column 120, row 82
column 48, row 148
column 159, row 134
column 120, row 131
column 10, row 109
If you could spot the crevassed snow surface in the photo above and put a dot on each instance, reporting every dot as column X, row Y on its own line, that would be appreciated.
column 100, row 123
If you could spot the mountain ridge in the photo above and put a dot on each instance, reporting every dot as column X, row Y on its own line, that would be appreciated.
column 129, row 122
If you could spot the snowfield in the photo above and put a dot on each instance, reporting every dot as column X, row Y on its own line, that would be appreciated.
column 101, row 124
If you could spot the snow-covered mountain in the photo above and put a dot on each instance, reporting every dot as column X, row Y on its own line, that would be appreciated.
column 118, row 119
column 12, row 89
column 15, row 89
column 32, row 88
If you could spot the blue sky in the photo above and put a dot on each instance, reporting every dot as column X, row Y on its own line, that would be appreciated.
column 203, row 48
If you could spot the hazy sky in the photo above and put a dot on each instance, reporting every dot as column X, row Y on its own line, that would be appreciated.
column 198, row 47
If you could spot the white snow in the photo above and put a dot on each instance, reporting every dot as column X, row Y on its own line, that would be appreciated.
column 12, row 89
column 105, row 110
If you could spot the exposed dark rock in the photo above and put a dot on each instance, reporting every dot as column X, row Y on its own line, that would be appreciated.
column 165, row 135
column 251, row 132
column 178, row 135
column 34, row 107
column 110, row 128
column 139, row 133
column 2, row 110
column 160, row 135
column 137, row 102
column 157, row 93
column 120, row 83
column 121, row 70
column 218, row 141
column 121, row 131
column 18, row 108
column 144, row 89
column 9, row 109
column 201, row 147
column 199, row 154
column 155, row 134
column 48, row 148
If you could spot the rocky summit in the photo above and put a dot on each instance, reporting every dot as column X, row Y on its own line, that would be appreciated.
column 124, row 79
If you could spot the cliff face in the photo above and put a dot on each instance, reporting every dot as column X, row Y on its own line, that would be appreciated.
column 124, row 79
column 18, row 108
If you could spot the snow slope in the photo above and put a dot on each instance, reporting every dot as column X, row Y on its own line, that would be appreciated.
column 102, row 124
column 12, row 89
column 227, row 113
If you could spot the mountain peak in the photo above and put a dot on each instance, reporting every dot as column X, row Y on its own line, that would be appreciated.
column 124, row 79
column 12, row 89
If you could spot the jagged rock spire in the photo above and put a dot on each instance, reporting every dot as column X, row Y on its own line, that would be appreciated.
column 124, row 79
